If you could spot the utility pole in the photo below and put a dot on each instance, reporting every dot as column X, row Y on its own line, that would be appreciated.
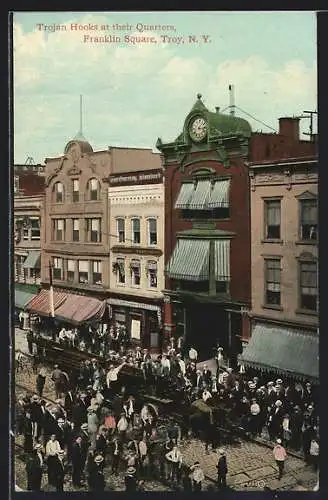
column 51, row 292
column 310, row 114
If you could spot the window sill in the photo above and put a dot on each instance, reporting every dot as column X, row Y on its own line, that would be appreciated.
column 307, row 312
column 272, row 306
column 273, row 240
column 307, row 242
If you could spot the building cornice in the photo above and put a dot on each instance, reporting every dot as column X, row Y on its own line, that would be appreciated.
column 137, row 250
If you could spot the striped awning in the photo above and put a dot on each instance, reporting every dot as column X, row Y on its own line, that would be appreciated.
column 32, row 261
column 79, row 309
column 184, row 196
column 219, row 195
column 200, row 195
column 283, row 350
column 222, row 260
column 40, row 304
column 190, row 260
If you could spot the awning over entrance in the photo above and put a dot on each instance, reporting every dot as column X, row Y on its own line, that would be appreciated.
column 22, row 298
column 32, row 260
column 40, row 304
column 190, row 260
column 77, row 309
column 283, row 351
column 133, row 305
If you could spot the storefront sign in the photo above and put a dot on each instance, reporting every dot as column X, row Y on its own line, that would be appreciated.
column 137, row 178
column 135, row 329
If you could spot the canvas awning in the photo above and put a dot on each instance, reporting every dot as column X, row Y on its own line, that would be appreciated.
column 32, row 261
column 222, row 260
column 40, row 304
column 200, row 195
column 283, row 350
column 219, row 195
column 77, row 309
column 23, row 298
column 190, row 260
column 184, row 195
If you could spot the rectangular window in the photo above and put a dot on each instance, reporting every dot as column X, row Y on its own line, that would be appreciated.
column 152, row 231
column 272, row 282
column 93, row 187
column 57, row 268
column 136, row 231
column 309, row 219
column 308, row 285
column 59, row 189
column 135, row 272
column 76, row 229
column 120, row 270
column 76, row 193
column 96, row 272
column 35, row 228
column 59, row 229
column 70, row 270
column 26, row 235
column 93, row 230
column 121, row 230
column 152, row 274
column 272, row 218
column 83, row 266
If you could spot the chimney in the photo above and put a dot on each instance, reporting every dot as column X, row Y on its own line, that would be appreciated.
column 217, row 109
column 290, row 127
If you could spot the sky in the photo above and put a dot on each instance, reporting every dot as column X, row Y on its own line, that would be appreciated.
column 135, row 91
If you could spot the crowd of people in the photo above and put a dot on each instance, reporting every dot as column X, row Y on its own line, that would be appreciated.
column 96, row 423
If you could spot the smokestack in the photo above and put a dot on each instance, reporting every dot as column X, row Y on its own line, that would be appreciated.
column 232, row 99
column 217, row 109
column 290, row 127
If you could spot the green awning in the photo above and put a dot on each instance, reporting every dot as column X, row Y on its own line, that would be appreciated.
column 283, row 350
column 32, row 261
column 200, row 195
column 190, row 260
column 219, row 195
column 184, row 196
column 222, row 260
column 22, row 298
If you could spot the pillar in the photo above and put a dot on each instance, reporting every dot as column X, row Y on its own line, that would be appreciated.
column 211, row 269
column 168, row 323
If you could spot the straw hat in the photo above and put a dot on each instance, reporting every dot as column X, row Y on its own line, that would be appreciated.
column 61, row 421
column 61, row 453
column 278, row 441
column 84, row 427
column 221, row 451
column 131, row 470
column 38, row 446
column 35, row 398
column 99, row 459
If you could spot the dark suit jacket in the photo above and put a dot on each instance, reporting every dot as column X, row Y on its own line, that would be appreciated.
column 222, row 467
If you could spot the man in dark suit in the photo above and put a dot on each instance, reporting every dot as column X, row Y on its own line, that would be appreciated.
column 34, row 468
column 77, row 461
column 28, row 433
column 222, row 469
column 69, row 403
column 96, row 474
column 60, row 469
column 85, row 443
column 207, row 375
column 199, row 380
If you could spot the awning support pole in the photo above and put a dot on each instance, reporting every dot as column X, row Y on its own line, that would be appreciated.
column 211, row 270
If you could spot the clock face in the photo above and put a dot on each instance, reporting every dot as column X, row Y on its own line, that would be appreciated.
column 198, row 129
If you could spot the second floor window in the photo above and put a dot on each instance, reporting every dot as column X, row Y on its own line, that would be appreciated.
column 35, row 228
column 93, row 190
column 152, row 274
column 309, row 219
column 135, row 231
column 119, row 268
column 96, row 272
column 135, row 272
column 308, row 286
column 70, row 270
column 76, row 229
column 272, row 282
column 272, row 219
column 59, row 229
column 83, row 266
column 152, row 231
column 93, row 230
column 120, row 229
column 59, row 192
column 76, row 192
column 57, row 268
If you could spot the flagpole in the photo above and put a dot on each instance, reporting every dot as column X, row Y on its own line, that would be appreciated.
column 51, row 292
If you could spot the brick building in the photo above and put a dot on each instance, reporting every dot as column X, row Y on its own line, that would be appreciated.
column 207, row 231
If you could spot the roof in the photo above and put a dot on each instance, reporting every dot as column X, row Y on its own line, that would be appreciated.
column 40, row 304
column 22, row 298
column 78, row 309
column 283, row 350
column 83, row 143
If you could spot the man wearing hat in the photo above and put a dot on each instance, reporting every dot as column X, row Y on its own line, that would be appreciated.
column 77, row 461
column 93, row 424
column 28, row 432
column 96, row 478
column 276, row 416
column 60, row 469
column 56, row 377
column 222, row 469
column 280, row 456
column 85, row 442
column 40, row 381
column 130, row 479
column 34, row 469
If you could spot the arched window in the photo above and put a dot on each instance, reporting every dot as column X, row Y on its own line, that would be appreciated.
column 93, row 190
column 58, row 192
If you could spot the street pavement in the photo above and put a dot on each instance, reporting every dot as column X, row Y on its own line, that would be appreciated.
column 20, row 340
column 251, row 467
